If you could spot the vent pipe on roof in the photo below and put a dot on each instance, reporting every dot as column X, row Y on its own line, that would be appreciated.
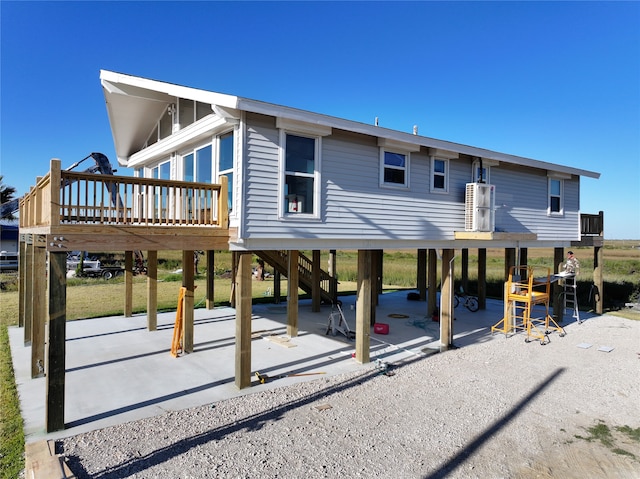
column 415, row 129
column 376, row 121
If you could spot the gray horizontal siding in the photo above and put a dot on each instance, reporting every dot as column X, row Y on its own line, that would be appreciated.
column 354, row 206
column 521, row 204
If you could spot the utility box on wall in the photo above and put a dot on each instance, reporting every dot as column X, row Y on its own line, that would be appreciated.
column 479, row 210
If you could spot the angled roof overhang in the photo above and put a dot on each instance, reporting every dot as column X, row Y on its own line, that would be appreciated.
column 135, row 104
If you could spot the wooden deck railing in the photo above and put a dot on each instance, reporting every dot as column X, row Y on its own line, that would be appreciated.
column 95, row 199
column 592, row 225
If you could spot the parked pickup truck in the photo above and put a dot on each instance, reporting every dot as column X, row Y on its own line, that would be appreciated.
column 92, row 268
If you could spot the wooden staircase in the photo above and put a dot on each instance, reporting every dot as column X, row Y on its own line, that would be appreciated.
column 280, row 259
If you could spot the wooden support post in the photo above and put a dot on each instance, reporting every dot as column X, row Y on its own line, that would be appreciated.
column 523, row 257
column 235, row 257
column 375, row 274
column 243, row 321
column 598, row 281
column 465, row 270
column 55, row 363
column 22, row 273
column 432, row 282
column 421, row 280
column 558, row 300
column 128, row 284
column 333, row 272
column 211, row 276
column 292, row 294
column 363, row 306
column 28, row 291
column 482, row 278
column 277, row 286
column 316, row 299
column 446, row 300
column 509, row 261
column 39, row 311
column 379, row 265
column 188, row 269
column 152, row 290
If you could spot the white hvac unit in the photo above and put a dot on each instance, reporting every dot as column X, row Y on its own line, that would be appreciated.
column 479, row 207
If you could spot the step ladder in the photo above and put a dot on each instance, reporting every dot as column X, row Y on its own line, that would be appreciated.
column 570, row 298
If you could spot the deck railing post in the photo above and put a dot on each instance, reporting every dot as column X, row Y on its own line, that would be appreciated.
column 223, row 206
column 55, row 182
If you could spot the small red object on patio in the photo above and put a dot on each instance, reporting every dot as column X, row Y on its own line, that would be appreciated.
column 381, row 328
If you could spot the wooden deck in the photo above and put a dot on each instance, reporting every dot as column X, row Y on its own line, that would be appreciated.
column 95, row 212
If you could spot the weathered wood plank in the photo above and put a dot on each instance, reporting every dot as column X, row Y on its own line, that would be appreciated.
column 210, row 272
column 292, row 294
column 152, row 290
column 56, row 356
column 28, row 291
column 187, row 310
column 128, row 284
column 432, row 282
column 363, row 306
column 243, row 288
column 39, row 311
column 446, row 299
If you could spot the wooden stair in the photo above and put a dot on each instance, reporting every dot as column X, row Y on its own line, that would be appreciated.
column 279, row 259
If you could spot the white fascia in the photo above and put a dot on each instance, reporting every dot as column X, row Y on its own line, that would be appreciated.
column 171, row 89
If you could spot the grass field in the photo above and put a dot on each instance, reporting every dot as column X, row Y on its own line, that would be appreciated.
column 88, row 298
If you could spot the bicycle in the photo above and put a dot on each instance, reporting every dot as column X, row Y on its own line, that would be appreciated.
column 468, row 301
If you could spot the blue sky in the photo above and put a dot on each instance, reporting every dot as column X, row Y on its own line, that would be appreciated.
column 553, row 81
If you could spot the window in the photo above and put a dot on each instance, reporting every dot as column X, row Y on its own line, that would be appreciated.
column 394, row 169
column 203, row 165
column 162, row 171
column 439, row 175
column 196, row 166
column 225, row 162
column 300, row 158
column 165, row 125
column 555, row 196
column 480, row 173
column 190, row 111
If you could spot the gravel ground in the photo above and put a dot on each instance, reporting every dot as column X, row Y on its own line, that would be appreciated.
column 501, row 408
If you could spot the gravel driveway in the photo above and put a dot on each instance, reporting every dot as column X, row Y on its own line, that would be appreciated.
column 501, row 408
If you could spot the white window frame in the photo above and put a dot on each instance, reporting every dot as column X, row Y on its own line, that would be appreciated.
column 193, row 150
column 475, row 178
column 405, row 168
column 283, row 203
column 432, row 187
column 217, row 172
column 560, row 196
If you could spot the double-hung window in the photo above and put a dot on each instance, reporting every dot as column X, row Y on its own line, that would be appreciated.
column 555, row 196
column 439, row 175
column 394, row 168
column 300, row 174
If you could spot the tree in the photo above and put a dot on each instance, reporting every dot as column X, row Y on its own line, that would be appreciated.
column 7, row 194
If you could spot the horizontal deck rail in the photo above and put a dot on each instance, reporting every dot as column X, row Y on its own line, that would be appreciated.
column 592, row 225
column 96, row 199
